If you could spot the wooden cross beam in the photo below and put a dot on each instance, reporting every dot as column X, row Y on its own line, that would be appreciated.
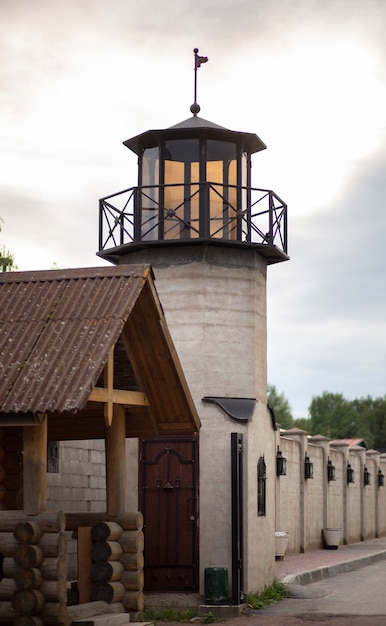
column 110, row 396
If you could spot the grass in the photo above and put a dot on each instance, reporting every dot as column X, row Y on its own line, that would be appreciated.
column 271, row 594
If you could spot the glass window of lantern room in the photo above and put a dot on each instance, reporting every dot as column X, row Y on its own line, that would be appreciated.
column 181, row 192
column 149, row 200
column 221, row 173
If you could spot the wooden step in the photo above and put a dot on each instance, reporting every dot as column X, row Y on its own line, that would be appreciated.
column 118, row 619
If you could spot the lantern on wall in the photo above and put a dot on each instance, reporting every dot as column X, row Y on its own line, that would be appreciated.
column 330, row 470
column 381, row 478
column 350, row 474
column 366, row 477
column 281, row 463
column 308, row 467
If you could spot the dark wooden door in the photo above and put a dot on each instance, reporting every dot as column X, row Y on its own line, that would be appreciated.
column 169, row 502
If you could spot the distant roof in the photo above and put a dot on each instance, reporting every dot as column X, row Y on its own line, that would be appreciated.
column 57, row 330
column 351, row 442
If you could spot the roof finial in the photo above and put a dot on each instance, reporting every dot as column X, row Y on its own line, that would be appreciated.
column 198, row 60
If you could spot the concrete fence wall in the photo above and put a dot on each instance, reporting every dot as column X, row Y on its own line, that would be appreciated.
column 304, row 507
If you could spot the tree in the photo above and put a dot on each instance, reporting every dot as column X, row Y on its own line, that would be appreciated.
column 281, row 407
column 7, row 260
column 303, row 423
column 333, row 416
column 371, row 417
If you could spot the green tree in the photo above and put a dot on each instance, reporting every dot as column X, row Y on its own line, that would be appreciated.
column 337, row 418
column 281, row 407
column 334, row 416
column 372, row 419
column 7, row 260
column 303, row 423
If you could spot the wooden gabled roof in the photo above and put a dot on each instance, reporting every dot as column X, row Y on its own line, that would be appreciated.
column 73, row 343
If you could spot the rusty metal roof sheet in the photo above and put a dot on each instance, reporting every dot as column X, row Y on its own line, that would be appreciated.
column 57, row 329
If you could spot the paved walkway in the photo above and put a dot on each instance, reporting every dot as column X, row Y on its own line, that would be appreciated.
column 301, row 569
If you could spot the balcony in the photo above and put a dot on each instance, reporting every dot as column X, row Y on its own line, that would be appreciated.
column 194, row 213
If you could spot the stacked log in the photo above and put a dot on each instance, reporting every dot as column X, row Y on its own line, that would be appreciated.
column 33, row 588
column 34, row 568
column 132, row 543
column 128, row 521
column 106, row 570
column 117, row 554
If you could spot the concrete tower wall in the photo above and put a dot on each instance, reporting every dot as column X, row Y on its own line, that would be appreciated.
column 215, row 307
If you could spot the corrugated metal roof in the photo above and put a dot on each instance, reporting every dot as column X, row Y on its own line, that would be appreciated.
column 57, row 329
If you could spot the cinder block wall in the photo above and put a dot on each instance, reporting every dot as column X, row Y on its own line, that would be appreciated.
column 79, row 484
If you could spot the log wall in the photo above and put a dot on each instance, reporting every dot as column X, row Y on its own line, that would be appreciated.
column 34, row 576
column 117, row 570
column 34, row 566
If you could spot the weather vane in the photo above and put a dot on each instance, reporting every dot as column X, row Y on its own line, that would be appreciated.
column 198, row 60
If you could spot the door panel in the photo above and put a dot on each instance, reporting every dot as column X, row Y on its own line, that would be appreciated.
column 169, row 502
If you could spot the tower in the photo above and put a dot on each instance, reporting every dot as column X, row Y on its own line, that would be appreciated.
column 209, row 236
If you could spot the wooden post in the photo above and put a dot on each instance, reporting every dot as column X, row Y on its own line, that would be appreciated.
column 116, row 482
column 35, row 468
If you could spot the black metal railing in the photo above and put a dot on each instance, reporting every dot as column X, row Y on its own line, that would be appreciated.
column 196, row 211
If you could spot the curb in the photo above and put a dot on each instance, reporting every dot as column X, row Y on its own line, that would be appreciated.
column 313, row 576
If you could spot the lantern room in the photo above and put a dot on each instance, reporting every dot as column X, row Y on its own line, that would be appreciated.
column 194, row 187
column 194, row 180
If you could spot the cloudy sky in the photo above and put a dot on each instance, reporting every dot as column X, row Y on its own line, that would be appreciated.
column 77, row 77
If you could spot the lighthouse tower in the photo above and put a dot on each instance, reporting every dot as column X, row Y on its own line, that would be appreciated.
column 208, row 498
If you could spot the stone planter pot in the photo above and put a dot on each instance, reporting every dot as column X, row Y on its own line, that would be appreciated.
column 332, row 537
column 281, row 543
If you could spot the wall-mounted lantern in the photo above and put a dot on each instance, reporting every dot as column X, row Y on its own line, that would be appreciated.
column 366, row 477
column 281, row 463
column 381, row 478
column 308, row 467
column 330, row 470
column 350, row 474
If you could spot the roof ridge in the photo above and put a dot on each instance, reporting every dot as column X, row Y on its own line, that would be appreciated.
column 70, row 273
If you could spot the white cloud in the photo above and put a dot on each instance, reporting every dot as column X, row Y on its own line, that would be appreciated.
column 308, row 76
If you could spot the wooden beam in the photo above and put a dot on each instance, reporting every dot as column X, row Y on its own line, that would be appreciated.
column 116, row 480
column 109, row 385
column 119, row 396
column 35, row 468
column 138, row 374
